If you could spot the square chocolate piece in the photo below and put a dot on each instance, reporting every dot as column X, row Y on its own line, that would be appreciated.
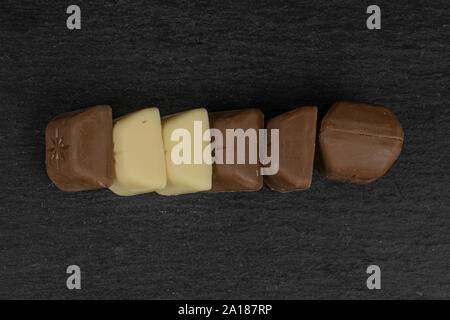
column 79, row 149
column 297, row 140
column 236, row 177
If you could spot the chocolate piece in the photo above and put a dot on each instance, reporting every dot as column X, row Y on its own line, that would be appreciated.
column 187, row 177
column 79, row 149
column 236, row 177
column 139, row 162
column 358, row 142
column 297, row 139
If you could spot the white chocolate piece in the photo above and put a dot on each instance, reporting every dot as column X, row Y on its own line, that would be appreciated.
column 194, row 176
column 139, row 162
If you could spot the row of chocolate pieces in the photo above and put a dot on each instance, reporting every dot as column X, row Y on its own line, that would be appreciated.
column 86, row 150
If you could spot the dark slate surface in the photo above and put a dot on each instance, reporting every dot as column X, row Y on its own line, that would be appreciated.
column 275, row 55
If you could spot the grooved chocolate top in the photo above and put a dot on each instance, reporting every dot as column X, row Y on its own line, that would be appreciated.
column 358, row 142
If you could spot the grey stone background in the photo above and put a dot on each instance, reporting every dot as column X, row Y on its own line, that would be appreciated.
column 275, row 55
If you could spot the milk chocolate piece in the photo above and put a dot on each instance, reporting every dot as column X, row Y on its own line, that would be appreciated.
column 297, row 137
column 236, row 177
column 358, row 142
column 79, row 149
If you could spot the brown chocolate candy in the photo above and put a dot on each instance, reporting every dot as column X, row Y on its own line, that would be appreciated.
column 236, row 177
column 358, row 142
column 79, row 149
column 297, row 140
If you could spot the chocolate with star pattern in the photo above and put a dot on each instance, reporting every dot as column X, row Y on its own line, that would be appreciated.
column 79, row 149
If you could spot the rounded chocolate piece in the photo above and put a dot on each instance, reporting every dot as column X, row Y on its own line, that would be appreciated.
column 358, row 142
